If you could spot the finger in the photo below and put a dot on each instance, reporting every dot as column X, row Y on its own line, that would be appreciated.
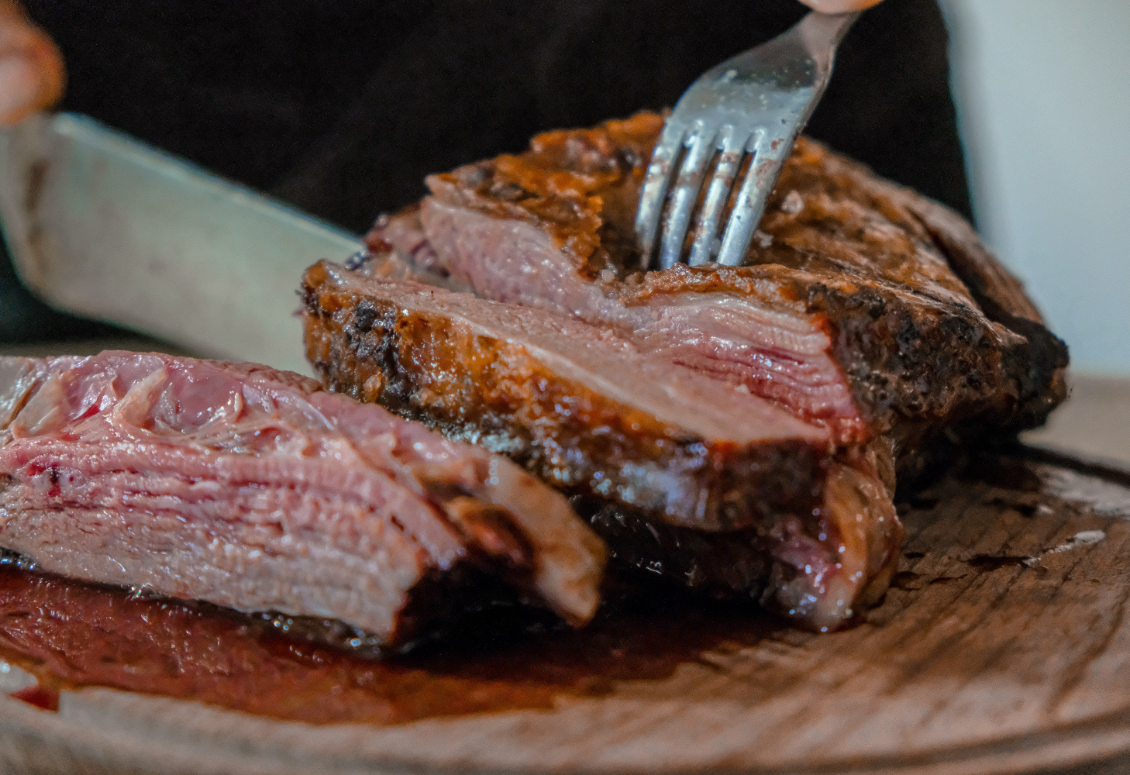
column 839, row 6
column 31, row 67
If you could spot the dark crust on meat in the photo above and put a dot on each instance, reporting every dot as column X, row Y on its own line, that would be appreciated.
column 1043, row 366
column 912, row 366
column 913, row 371
column 493, row 393
column 927, row 326
column 1027, row 380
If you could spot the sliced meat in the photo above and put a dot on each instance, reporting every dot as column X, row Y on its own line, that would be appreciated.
column 868, row 313
column 251, row 488
column 853, row 313
column 578, row 406
column 405, row 253
column 818, row 570
column 661, row 458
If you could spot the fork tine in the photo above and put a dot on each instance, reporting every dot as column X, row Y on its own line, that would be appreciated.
column 769, row 154
column 769, row 90
column 685, row 195
column 730, row 161
column 659, row 172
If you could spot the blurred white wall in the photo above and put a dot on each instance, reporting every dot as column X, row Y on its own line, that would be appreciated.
column 1043, row 91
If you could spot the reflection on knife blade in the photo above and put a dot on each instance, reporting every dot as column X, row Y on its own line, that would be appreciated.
column 102, row 225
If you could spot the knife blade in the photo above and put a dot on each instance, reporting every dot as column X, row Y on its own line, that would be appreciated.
column 102, row 225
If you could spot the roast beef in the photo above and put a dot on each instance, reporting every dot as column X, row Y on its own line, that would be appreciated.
column 685, row 474
column 871, row 315
column 254, row 489
column 854, row 312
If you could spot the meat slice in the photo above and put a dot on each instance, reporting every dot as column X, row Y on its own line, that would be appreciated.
column 665, row 461
column 252, row 488
column 578, row 406
column 855, row 312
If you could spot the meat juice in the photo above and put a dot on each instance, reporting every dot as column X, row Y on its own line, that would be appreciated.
column 71, row 635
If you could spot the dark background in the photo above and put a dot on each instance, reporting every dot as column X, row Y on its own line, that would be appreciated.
column 341, row 107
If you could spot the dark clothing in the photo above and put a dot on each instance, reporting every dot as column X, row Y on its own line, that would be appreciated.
column 342, row 107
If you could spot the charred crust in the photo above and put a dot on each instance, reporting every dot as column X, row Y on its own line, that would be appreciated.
column 920, row 313
column 1041, row 369
column 363, row 317
column 920, row 365
column 489, row 392
column 1038, row 369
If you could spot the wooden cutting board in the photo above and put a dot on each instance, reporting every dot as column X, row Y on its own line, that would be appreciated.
column 1003, row 646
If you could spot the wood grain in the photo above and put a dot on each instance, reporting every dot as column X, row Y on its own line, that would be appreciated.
column 1004, row 646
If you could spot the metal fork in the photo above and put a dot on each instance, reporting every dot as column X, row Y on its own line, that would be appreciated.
column 754, row 104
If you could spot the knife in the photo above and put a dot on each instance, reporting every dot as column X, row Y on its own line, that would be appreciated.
column 102, row 225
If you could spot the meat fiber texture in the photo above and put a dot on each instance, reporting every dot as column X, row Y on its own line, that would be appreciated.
column 254, row 489
column 870, row 315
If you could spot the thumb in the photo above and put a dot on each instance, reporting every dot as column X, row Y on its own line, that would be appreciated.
column 31, row 67
column 839, row 6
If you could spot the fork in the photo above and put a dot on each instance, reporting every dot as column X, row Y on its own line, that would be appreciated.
column 754, row 104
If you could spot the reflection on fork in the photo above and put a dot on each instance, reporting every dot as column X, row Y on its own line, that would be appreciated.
column 742, row 115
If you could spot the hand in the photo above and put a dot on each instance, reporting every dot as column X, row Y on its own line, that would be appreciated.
column 839, row 6
column 31, row 67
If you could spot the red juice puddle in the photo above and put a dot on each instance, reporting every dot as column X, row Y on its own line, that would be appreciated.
column 72, row 634
column 38, row 695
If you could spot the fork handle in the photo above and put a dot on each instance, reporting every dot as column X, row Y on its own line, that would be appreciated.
column 821, row 33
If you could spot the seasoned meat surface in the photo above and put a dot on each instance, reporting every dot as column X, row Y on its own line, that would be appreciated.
column 877, row 270
column 665, row 461
column 576, row 405
column 872, row 316
column 251, row 488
